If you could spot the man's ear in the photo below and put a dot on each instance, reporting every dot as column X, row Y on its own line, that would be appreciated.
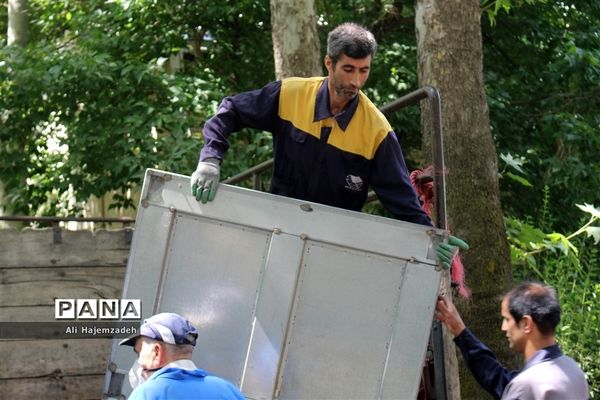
column 328, row 63
column 160, row 351
column 527, row 324
column 157, row 349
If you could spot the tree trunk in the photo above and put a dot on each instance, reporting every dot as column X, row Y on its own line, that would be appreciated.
column 450, row 58
column 18, row 28
column 295, row 40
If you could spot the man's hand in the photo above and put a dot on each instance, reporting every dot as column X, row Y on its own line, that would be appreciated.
column 446, row 312
column 205, row 180
column 447, row 251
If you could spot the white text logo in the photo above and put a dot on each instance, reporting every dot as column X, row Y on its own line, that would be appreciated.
column 354, row 183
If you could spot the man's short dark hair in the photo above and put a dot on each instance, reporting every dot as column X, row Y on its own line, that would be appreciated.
column 537, row 300
column 350, row 39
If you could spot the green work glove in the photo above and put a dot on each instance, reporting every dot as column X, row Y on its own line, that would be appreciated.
column 205, row 180
column 446, row 251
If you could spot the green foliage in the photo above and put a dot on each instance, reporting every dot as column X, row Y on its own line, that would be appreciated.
column 88, row 124
column 3, row 24
column 86, row 107
column 570, row 263
column 491, row 8
column 541, row 65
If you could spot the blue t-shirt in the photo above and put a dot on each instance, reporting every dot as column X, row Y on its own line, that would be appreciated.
column 176, row 383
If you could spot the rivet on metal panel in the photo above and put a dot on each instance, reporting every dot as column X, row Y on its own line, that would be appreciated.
column 172, row 209
column 276, row 231
column 145, row 203
column 303, row 236
column 412, row 260
column 306, row 207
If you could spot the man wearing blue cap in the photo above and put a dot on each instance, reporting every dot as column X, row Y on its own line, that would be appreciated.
column 164, row 347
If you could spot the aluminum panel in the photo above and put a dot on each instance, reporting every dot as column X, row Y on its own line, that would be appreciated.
column 148, row 249
column 246, row 207
column 215, row 289
column 292, row 299
column 415, row 314
column 343, row 326
column 273, row 308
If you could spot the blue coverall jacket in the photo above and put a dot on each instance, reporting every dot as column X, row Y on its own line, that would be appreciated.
column 320, row 157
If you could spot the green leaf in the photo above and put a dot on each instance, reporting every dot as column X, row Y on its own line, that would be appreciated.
column 561, row 242
column 519, row 179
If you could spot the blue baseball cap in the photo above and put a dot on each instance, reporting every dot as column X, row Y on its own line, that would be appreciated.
column 165, row 327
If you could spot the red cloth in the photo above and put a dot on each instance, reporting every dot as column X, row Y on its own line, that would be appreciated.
column 422, row 181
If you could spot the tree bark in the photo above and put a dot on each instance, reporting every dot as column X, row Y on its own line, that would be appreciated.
column 450, row 58
column 18, row 28
column 295, row 39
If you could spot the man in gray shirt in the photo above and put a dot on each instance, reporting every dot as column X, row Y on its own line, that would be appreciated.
column 530, row 314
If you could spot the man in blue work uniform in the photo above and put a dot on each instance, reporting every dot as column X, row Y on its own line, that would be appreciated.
column 530, row 314
column 330, row 141
column 164, row 368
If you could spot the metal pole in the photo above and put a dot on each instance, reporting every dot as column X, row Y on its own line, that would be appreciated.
column 439, row 179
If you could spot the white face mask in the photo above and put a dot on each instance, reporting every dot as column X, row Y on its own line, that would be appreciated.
column 135, row 375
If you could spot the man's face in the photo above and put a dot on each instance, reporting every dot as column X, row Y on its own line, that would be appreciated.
column 515, row 332
column 348, row 75
column 148, row 357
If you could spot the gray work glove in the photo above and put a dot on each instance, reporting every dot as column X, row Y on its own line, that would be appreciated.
column 205, row 180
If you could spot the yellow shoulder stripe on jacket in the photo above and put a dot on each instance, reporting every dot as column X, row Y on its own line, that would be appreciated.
column 367, row 129
column 297, row 101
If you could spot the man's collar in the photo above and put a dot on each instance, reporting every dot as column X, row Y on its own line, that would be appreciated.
column 184, row 364
column 181, row 364
column 322, row 110
column 545, row 354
